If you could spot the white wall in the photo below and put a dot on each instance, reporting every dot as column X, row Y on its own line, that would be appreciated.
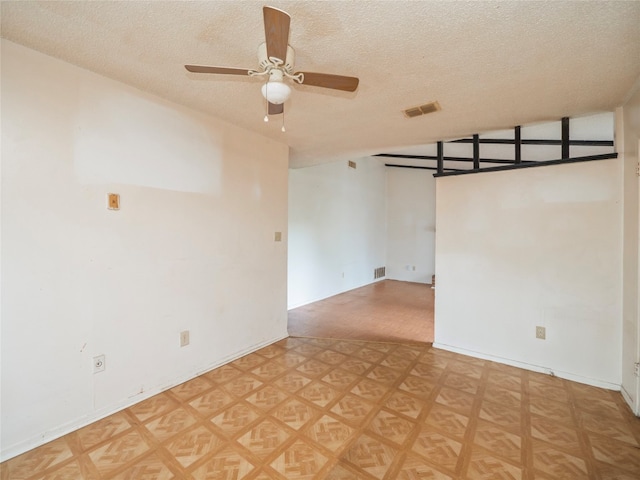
column 411, row 219
column 192, row 247
column 336, row 228
column 538, row 246
column 628, row 137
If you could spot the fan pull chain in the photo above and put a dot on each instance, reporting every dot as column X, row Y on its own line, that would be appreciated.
column 266, row 107
column 283, row 129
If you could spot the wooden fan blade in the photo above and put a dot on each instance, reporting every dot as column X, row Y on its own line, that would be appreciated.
column 276, row 109
column 221, row 70
column 326, row 80
column 276, row 32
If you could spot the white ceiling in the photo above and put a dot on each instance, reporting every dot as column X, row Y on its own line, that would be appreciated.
column 490, row 65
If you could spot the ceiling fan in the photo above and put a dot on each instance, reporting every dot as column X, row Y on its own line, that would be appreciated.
column 275, row 60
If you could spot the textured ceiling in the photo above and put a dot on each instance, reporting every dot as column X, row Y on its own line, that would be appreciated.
column 491, row 65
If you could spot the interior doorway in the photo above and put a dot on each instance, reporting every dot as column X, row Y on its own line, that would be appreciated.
column 389, row 310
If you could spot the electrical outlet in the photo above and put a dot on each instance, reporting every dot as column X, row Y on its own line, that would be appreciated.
column 541, row 333
column 184, row 338
column 99, row 364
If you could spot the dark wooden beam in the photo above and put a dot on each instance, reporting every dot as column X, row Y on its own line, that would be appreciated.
column 440, row 157
column 422, row 168
column 565, row 137
column 533, row 141
column 545, row 163
column 446, row 159
column 476, row 151
column 518, row 143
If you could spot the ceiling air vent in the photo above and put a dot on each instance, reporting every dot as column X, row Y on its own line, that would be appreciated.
column 352, row 164
column 422, row 109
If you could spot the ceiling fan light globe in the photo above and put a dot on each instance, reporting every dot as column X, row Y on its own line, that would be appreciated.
column 276, row 92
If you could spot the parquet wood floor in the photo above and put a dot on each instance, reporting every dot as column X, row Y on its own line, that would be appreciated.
column 389, row 311
column 308, row 408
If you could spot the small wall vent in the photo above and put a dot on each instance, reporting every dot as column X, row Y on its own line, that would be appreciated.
column 379, row 272
column 352, row 164
column 421, row 110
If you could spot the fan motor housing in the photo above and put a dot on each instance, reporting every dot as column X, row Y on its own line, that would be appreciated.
column 265, row 63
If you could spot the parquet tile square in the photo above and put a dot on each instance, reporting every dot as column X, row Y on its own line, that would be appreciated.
column 289, row 359
column 448, row 421
column 170, row 424
column 211, row 402
column 462, row 382
column 331, row 357
column 154, row 406
column 222, row 374
column 353, row 408
column 267, row 397
column 369, row 355
column 249, row 362
column 294, row 413
column 437, row 449
column 615, row 453
column 341, row 472
column 397, row 362
column 102, row 430
column 193, row 444
column 370, row 389
column 557, row 411
column 192, row 388
column 235, row 418
column 499, row 441
column 508, row 418
column 344, row 347
column 555, row 433
column 404, row 404
column 415, row 468
column 70, row 470
column 508, row 398
column 299, row 461
column 505, row 380
column 292, row 381
column 464, row 368
column 371, row 455
column 384, row 375
column 242, row 385
column 557, row 463
column 38, row 460
column 269, row 370
column 346, row 409
column 615, row 429
column 391, row 427
column 151, row 467
column 314, row 368
column 356, row 365
column 330, row 433
column 456, row 400
column 263, row 438
column 118, row 452
column 340, row 378
column 319, row 393
column 226, row 464
column 272, row 351
column 486, row 466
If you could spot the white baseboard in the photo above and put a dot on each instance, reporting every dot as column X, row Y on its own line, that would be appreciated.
column 528, row 366
column 72, row 426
